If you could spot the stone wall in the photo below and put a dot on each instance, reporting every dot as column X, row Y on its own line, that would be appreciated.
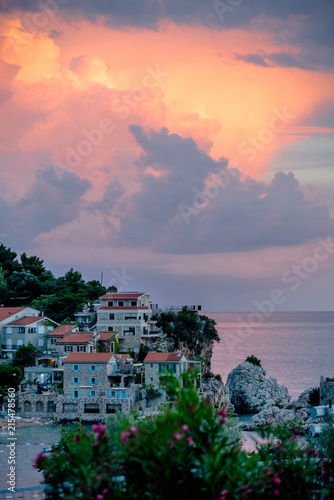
column 67, row 408
column 326, row 391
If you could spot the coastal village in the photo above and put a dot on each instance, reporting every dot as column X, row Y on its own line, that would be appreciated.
column 86, row 369
column 113, row 358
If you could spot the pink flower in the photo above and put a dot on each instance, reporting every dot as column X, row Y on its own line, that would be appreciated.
column 99, row 497
column 276, row 479
column 76, row 438
column 185, row 428
column 171, row 443
column 105, row 491
column 223, row 494
column 98, row 428
column 276, row 493
column 177, row 436
column 133, row 429
column 124, row 437
column 190, row 440
column 50, row 476
column 39, row 459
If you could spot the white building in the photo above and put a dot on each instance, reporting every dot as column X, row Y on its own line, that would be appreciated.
column 128, row 314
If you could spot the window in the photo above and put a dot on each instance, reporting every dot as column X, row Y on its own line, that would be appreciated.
column 40, row 342
column 92, row 381
column 75, row 380
column 27, row 406
column 151, row 379
column 22, row 329
column 111, row 316
column 112, row 394
column 39, row 406
column 112, row 408
column 92, row 394
column 75, row 394
column 9, row 329
column 133, row 303
column 68, row 348
column 120, row 303
column 110, row 303
column 92, row 408
column 51, row 407
column 92, row 368
column 19, row 342
column 151, row 365
column 9, row 343
column 53, row 341
column 32, row 330
column 82, row 348
column 110, row 328
column 70, row 407
column 75, row 368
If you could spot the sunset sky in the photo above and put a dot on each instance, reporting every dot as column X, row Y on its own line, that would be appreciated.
column 181, row 147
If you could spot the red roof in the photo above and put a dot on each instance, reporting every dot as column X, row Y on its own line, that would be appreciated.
column 121, row 307
column 163, row 356
column 26, row 320
column 106, row 335
column 123, row 356
column 62, row 329
column 122, row 295
column 88, row 357
column 75, row 338
column 6, row 312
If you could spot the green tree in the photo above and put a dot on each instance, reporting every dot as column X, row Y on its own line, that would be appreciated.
column 3, row 286
column 24, row 356
column 10, row 376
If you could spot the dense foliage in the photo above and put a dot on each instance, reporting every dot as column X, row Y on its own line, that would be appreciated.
column 188, row 452
column 254, row 360
column 187, row 327
column 27, row 282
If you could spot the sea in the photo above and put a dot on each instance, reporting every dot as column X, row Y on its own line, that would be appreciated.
column 294, row 347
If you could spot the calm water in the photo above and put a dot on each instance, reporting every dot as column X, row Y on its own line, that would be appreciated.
column 295, row 347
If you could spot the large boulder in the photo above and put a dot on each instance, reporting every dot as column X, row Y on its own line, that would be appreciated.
column 250, row 391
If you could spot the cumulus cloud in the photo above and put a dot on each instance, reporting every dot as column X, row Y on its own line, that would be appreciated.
column 190, row 203
column 54, row 199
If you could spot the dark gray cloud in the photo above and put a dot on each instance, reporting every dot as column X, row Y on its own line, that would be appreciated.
column 54, row 199
column 304, row 23
column 180, row 211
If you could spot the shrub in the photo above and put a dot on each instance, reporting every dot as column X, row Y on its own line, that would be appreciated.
column 189, row 452
column 254, row 360
column 314, row 397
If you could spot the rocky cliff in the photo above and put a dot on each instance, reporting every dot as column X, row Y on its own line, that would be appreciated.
column 217, row 393
column 251, row 392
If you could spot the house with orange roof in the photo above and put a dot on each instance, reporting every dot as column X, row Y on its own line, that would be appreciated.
column 10, row 314
column 156, row 363
column 74, row 342
column 25, row 330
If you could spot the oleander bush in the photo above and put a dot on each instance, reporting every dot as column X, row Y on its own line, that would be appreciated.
column 190, row 451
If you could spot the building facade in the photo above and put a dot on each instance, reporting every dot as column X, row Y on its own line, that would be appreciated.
column 129, row 315
column 157, row 362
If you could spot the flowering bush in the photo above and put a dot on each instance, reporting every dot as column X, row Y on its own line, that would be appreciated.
column 191, row 451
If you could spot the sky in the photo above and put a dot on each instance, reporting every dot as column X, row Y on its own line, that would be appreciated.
column 179, row 147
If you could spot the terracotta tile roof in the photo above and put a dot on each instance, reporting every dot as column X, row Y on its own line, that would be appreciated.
column 62, row 329
column 88, row 357
column 26, row 320
column 121, row 307
column 107, row 335
column 75, row 338
column 123, row 356
column 129, row 295
column 6, row 312
column 163, row 356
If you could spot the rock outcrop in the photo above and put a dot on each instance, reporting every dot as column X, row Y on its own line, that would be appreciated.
column 272, row 415
column 215, row 390
column 251, row 392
